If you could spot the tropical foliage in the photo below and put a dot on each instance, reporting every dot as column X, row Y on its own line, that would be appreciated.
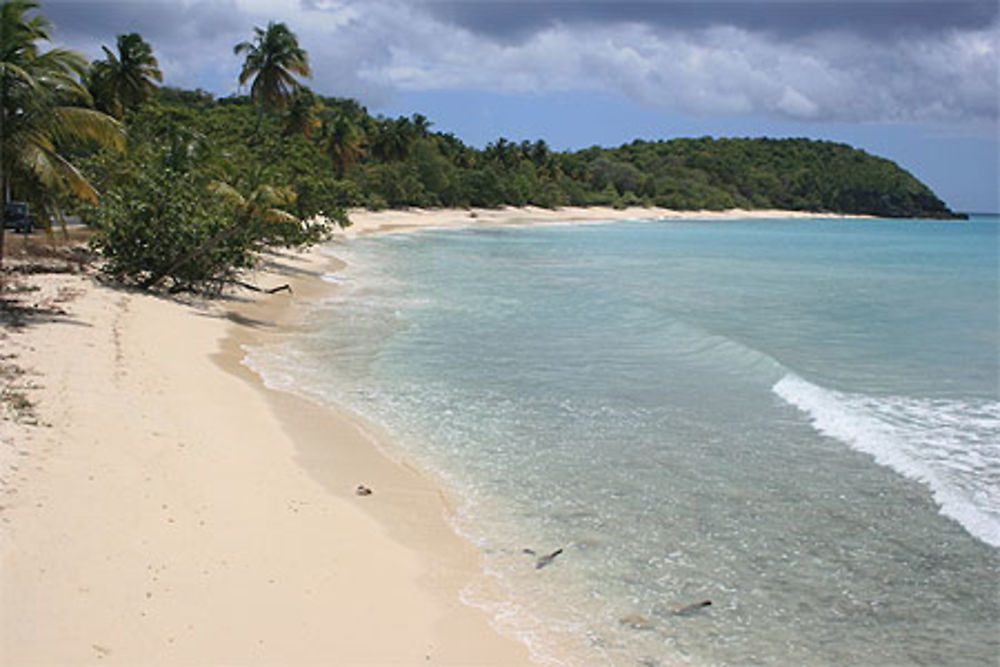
column 43, row 114
column 180, row 209
column 123, row 81
column 358, row 159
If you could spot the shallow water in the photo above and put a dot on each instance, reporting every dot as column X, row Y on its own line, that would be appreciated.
column 795, row 419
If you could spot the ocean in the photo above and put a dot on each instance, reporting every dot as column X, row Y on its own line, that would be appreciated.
column 795, row 420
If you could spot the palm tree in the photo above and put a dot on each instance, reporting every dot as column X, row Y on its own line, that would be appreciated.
column 421, row 125
column 344, row 143
column 503, row 152
column 393, row 138
column 271, row 59
column 40, row 114
column 124, row 81
column 302, row 116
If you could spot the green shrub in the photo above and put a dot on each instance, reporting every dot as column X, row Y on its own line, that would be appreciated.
column 163, row 225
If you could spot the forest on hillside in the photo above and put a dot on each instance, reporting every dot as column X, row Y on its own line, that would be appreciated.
column 335, row 155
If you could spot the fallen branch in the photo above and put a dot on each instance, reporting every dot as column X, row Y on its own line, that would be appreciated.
column 264, row 290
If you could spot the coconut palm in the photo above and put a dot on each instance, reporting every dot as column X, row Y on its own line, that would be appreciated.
column 344, row 141
column 421, row 125
column 126, row 80
column 302, row 117
column 271, row 59
column 41, row 114
column 393, row 139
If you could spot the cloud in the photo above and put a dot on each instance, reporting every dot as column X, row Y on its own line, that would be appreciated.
column 192, row 40
column 808, row 60
column 838, row 76
column 516, row 19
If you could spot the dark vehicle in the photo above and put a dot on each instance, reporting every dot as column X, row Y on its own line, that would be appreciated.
column 17, row 216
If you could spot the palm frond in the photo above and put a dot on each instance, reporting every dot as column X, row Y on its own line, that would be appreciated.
column 271, row 59
column 80, row 124
column 15, row 74
column 277, row 216
column 270, row 195
column 39, row 121
column 226, row 192
column 55, row 172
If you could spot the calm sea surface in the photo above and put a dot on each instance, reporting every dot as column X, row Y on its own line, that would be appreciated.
column 797, row 420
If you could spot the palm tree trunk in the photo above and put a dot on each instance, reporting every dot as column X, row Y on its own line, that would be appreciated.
column 4, row 185
column 3, row 233
column 5, row 197
column 260, row 115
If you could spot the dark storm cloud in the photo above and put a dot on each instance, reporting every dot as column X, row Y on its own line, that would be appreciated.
column 516, row 19
column 156, row 20
column 911, row 61
column 192, row 39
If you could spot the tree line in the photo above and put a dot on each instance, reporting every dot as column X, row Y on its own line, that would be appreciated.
column 193, row 187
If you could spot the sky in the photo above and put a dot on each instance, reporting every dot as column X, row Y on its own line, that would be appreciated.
column 915, row 81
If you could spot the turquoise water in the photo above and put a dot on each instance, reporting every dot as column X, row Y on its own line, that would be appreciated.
column 797, row 420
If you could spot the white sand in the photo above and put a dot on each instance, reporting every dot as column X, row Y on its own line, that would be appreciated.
column 367, row 222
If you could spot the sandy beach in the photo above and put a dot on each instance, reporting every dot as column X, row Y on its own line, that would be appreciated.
column 167, row 509
column 159, row 505
column 395, row 220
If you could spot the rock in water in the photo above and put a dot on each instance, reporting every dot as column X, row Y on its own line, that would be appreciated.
column 636, row 622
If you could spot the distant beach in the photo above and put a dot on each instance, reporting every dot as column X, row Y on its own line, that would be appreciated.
column 390, row 220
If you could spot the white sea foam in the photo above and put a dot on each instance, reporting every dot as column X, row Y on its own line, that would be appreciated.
column 951, row 446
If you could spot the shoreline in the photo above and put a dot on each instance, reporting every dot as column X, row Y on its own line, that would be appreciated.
column 410, row 507
column 166, row 512
column 172, row 510
column 415, row 219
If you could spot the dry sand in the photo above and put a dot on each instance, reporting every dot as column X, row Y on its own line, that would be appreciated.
column 367, row 222
column 169, row 509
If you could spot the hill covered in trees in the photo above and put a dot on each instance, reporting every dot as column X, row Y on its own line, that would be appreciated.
column 335, row 154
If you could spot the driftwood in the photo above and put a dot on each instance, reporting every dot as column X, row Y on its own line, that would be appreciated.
column 272, row 290
column 637, row 622
column 177, row 288
column 682, row 609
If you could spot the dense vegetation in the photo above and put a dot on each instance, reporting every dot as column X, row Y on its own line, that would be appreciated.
column 333, row 150
column 205, row 184
column 335, row 154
